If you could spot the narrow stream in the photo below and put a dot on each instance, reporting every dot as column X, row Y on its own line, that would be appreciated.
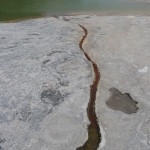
column 94, row 135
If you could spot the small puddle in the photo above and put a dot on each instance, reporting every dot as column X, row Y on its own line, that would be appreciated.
column 122, row 102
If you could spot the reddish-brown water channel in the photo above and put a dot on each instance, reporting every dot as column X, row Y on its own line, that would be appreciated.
column 94, row 136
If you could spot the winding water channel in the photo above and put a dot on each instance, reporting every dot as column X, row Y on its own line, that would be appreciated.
column 94, row 136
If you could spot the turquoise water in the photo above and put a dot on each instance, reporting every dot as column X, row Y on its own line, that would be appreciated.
column 15, row 9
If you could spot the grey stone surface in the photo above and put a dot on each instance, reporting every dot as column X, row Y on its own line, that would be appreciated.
column 45, row 81
column 121, row 48
column 44, row 86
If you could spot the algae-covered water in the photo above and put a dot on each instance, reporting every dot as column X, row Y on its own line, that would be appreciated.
column 15, row 9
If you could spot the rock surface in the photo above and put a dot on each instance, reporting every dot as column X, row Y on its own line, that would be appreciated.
column 45, row 82
column 121, row 48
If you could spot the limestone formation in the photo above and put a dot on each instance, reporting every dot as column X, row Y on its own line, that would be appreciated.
column 45, row 82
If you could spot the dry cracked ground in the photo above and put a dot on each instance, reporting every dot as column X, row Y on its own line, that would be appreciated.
column 45, row 82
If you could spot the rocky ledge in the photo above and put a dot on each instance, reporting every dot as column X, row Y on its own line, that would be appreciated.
column 45, row 81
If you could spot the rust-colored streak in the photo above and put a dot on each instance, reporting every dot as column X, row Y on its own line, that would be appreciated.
column 94, row 136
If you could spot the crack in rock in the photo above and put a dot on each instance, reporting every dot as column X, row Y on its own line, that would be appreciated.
column 94, row 135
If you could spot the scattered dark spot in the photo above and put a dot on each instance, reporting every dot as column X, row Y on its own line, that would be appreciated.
column 65, row 19
column 122, row 102
column 55, row 52
column 64, row 83
column 45, row 62
column 53, row 97
column 2, row 140
column 50, row 111
column 2, row 38
column 99, row 28
column 88, row 17
column 33, row 34
column 103, row 34
column 55, row 16
column 38, row 114
column 1, row 148
column 26, row 40
column 24, row 113
column 12, row 46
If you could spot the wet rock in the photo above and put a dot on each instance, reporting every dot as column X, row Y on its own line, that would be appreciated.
column 122, row 102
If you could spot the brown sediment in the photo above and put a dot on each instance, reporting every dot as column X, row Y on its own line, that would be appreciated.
column 94, row 135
